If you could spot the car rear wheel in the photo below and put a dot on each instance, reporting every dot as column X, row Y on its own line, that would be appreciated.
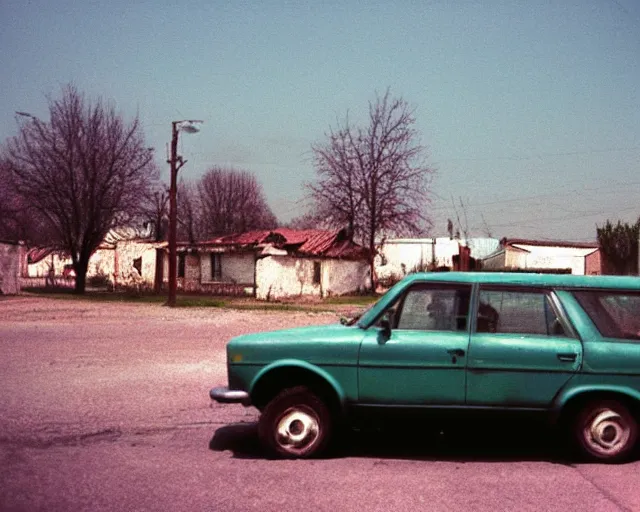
column 295, row 424
column 606, row 431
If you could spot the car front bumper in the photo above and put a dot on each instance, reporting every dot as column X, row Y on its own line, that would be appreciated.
column 224, row 395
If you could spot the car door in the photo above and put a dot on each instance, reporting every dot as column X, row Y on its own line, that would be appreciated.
column 421, row 359
column 522, row 350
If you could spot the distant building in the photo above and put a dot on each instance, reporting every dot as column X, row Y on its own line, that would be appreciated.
column 524, row 254
column 401, row 256
column 275, row 264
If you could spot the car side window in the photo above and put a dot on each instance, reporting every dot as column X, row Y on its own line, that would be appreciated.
column 615, row 314
column 432, row 308
column 518, row 312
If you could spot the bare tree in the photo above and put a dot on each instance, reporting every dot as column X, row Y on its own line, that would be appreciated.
column 155, row 209
column 190, row 217
column 232, row 201
column 83, row 172
column 374, row 179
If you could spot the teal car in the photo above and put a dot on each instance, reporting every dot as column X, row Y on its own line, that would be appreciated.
column 564, row 347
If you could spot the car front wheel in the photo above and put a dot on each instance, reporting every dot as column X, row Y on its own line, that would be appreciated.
column 606, row 431
column 295, row 424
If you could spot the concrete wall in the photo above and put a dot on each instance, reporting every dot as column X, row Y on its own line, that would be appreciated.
column 10, row 258
column 496, row 261
column 555, row 257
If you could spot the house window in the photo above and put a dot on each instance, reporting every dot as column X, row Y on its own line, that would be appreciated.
column 216, row 267
column 181, row 259
column 316, row 272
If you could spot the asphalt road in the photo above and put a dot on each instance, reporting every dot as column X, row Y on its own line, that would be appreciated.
column 105, row 407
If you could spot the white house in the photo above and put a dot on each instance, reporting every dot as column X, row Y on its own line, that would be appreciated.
column 575, row 257
column 400, row 256
column 276, row 264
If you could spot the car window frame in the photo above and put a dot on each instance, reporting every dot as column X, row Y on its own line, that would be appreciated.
column 554, row 301
column 398, row 304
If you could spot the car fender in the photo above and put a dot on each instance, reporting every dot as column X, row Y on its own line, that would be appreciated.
column 569, row 394
column 303, row 365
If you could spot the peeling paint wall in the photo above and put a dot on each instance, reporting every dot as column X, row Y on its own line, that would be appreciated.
column 341, row 277
column 235, row 267
column 10, row 258
column 285, row 276
column 115, row 264
column 126, row 255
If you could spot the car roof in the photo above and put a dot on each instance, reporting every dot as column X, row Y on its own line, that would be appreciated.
column 530, row 279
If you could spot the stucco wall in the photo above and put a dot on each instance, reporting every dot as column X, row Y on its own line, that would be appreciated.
column 235, row 267
column 341, row 277
column 283, row 276
column 10, row 257
column 279, row 277
column 399, row 257
column 127, row 252
column 102, row 263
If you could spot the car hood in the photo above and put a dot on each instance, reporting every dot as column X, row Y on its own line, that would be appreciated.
column 309, row 334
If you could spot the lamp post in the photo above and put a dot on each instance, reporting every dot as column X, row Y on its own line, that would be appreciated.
column 176, row 162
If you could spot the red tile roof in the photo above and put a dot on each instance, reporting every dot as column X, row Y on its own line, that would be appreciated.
column 308, row 242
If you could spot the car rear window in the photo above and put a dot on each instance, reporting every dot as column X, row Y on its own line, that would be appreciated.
column 616, row 315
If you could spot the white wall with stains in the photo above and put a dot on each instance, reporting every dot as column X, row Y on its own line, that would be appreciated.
column 10, row 258
column 284, row 276
column 236, row 267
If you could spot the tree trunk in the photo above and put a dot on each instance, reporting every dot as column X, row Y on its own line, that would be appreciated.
column 159, row 276
column 81, row 275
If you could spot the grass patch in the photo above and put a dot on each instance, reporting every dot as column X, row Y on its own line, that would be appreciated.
column 332, row 304
column 352, row 300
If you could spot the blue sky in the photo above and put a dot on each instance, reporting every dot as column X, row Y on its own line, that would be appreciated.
column 530, row 109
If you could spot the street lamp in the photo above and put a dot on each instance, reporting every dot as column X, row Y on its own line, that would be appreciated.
column 176, row 162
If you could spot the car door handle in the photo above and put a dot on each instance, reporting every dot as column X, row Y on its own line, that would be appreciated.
column 456, row 352
column 569, row 357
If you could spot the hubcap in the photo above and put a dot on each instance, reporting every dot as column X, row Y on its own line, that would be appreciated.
column 297, row 430
column 607, row 433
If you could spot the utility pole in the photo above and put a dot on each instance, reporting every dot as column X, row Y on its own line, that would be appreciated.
column 176, row 162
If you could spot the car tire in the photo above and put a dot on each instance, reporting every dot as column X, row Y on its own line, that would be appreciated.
column 295, row 424
column 605, row 431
